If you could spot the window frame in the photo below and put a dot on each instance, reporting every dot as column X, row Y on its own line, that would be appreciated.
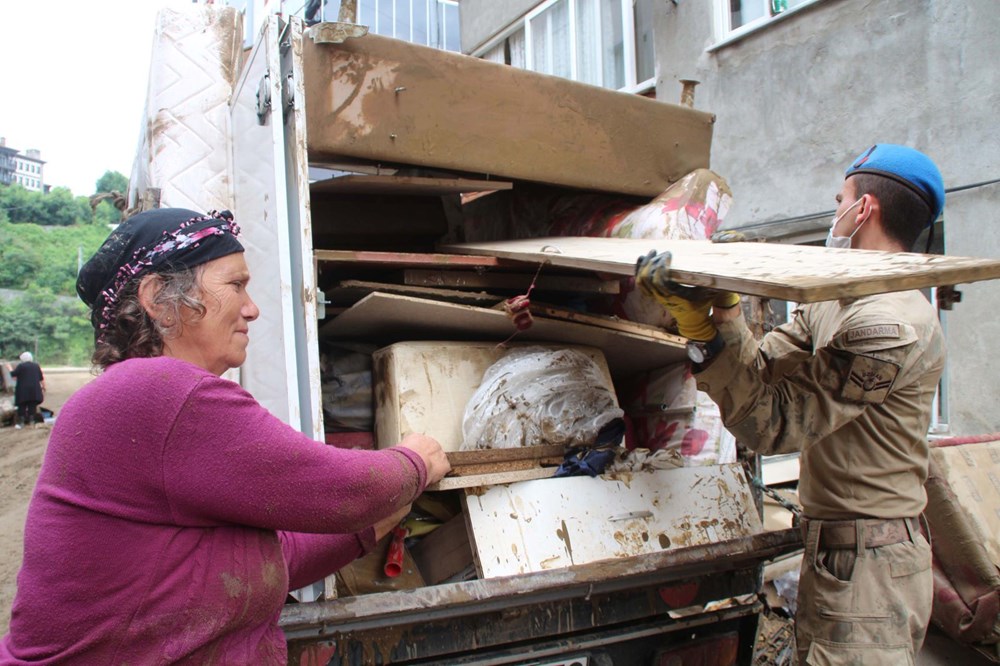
column 629, row 45
column 725, row 34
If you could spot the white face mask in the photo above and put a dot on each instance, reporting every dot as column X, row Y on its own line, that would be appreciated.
column 843, row 242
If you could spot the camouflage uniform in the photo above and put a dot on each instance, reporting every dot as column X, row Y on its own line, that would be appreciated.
column 850, row 384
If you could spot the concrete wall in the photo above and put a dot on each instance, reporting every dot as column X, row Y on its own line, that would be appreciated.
column 797, row 100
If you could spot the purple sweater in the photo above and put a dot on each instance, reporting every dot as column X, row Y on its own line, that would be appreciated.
column 173, row 514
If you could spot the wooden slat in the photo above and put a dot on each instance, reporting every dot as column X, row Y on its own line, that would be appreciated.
column 406, row 185
column 403, row 259
column 602, row 320
column 502, row 455
column 472, row 280
column 800, row 273
column 497, row 478
column 388, row 318
column 352, row 291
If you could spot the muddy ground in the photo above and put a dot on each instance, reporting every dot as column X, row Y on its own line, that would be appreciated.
column 21, row 454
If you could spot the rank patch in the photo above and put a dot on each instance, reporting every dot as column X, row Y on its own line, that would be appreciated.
column 869, row 380
column 876, row 332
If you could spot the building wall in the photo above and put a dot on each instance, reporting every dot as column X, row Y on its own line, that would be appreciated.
column 797, row 100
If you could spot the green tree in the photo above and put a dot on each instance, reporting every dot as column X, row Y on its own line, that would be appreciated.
column 111, row 181
column 56, row 327
column 56, row 208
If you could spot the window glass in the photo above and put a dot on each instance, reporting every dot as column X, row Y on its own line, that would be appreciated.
column 383, row 17
column 550, row 41
column 402, row 23
column 419, row 22
column 452, row 41
column 742, row 12
column 366, row 13
column 645, row 57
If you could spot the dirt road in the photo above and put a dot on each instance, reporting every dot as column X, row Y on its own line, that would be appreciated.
column 21, row 454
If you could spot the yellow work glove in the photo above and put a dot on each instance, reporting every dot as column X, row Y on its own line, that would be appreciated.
column 689, row 306
column 726, row 300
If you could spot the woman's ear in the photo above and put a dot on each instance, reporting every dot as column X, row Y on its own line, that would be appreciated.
column 149, row 288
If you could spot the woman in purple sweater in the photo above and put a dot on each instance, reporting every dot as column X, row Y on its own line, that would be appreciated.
column 173, row 513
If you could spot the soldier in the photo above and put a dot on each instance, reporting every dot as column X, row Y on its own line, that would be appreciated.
column 850, row 384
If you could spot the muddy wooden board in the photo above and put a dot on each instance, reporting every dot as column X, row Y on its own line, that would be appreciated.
column 348, row 292
column 388, row 318
column 392, row 102
column 799, row 273
column 365, row 184
column 368, row 258
column 519, row 282
column 554, row 523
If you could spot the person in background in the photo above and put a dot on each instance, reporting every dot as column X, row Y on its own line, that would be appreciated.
column 29, row 391
column 173, row 513
column 849, row 383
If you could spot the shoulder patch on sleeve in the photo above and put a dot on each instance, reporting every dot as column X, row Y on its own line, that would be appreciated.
column 869, row 379
column 875, row 332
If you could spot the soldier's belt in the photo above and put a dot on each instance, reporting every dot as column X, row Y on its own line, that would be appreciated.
column 835, row 534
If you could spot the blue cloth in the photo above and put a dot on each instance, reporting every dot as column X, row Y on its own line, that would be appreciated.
column 580, row 461
column 907, row 166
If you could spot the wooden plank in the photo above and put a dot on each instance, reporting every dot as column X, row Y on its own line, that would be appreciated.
column 352, row 291
column 492, row 479
column 388, row 101
column 502, row 455
column 799, row 273
column 401, row 259
column 445, row 552
column 521, row 282
column 415, row 185
column 555, row 523
column 388, row 318
column 601, row 320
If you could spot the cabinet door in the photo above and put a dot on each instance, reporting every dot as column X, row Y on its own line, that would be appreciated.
column 271, row 201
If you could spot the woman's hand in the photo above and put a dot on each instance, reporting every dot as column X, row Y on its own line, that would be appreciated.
column 432, row 454
column 387, row 524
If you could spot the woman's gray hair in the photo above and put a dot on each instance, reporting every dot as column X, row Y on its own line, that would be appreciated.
column 133, row 333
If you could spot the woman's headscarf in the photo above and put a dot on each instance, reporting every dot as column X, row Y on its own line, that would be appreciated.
column 26, row 357
column 154, row 241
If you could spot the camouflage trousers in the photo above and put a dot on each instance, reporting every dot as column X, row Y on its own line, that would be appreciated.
column 863, row 606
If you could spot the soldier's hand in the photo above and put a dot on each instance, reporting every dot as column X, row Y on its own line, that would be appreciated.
column 689, row 306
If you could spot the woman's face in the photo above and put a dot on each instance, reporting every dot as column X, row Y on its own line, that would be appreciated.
column 218, row 341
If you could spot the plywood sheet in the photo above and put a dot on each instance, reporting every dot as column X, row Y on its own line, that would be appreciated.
column 391, row 102
column 554, row 523
column 389, row 318
column 799, row 273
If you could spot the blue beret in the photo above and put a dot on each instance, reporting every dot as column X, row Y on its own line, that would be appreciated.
column 907, row 166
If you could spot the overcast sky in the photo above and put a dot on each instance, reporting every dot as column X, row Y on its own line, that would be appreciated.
column 73, row 83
